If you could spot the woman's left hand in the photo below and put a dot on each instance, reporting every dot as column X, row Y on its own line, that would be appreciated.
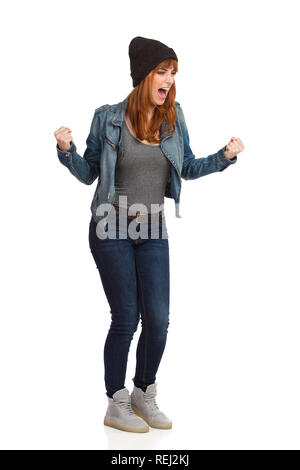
column 234, row 147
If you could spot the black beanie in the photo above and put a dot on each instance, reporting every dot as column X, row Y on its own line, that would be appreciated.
column 145, row 54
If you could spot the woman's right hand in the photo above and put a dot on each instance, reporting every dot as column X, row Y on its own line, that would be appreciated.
column 64, row 138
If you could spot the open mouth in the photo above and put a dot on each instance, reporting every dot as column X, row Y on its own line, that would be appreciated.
column 162, row 93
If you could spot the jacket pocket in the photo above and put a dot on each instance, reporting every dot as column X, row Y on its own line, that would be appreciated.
column 114, row 146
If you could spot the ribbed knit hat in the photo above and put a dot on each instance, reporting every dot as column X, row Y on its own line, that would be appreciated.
column 145, row 54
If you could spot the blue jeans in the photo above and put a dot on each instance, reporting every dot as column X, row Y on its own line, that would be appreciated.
column 135, row 279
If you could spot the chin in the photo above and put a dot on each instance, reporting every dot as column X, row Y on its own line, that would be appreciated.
column 159, row 102
column 156, row 101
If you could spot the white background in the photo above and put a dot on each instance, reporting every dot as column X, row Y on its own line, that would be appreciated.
column 229, row 377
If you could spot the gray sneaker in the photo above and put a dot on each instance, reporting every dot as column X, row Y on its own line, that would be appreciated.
column 119, row 413
column 144, row 405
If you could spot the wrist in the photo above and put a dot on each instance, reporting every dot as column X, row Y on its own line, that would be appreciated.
column 228, row 155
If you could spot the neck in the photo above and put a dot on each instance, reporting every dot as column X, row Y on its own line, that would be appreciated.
column 150, row 112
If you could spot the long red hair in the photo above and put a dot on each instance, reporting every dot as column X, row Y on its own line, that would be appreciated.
column 139, row 102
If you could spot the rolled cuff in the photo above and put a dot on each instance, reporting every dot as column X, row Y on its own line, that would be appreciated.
column 224, row 160
column 68, row 152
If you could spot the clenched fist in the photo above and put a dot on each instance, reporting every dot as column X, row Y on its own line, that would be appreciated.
column 234, row 147
column 63, row 137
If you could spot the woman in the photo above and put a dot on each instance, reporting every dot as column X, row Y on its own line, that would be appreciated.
column 139, row 150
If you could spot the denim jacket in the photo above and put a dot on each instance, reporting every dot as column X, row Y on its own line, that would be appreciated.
column 105, row 147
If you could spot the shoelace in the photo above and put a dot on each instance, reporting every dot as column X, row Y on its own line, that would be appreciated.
column 126, row 406
column 150, row 400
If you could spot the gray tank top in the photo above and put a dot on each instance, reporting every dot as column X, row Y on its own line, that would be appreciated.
column 141, row 173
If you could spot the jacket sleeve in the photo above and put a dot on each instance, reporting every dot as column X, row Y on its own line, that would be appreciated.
column 193, row 167
column 87, row 168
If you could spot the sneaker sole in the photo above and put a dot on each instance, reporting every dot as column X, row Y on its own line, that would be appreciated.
column 153, row 425
column 124, row 427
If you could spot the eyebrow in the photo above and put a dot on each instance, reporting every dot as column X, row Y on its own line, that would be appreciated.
column 164, row 68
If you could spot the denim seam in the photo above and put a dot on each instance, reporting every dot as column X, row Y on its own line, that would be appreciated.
column 146, row 329
column 75, row 172
column 220, row 161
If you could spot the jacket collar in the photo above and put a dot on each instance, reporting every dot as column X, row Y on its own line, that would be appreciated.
column 120, row 112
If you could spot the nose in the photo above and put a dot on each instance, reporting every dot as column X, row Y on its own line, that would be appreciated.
column 170, row 80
